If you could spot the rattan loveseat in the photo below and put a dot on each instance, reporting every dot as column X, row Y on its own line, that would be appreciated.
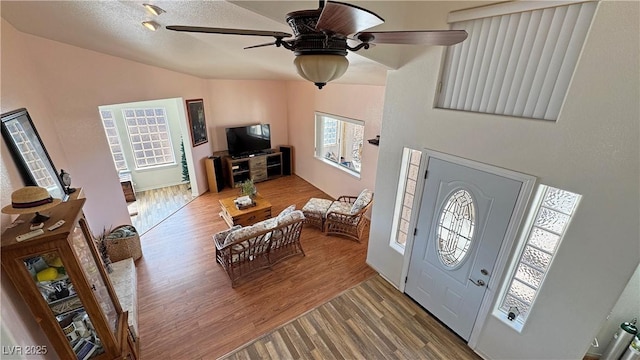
column 245, row 250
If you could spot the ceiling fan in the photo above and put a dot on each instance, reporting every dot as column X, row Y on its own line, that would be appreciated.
column 320, row 37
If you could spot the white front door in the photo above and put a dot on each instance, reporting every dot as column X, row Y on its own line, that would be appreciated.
column 464, row 215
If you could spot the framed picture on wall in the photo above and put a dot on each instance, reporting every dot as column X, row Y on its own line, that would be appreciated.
column 29, row 154
column 197, row 122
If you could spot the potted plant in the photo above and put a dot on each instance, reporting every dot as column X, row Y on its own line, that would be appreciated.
column 101, row 244
column 248, row 188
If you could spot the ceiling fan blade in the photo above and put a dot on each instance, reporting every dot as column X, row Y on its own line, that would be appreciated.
column 210, row 30
column 346, row 19
column 419, row 37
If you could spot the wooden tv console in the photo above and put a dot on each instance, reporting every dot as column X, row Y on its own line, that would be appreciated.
column 256, row 167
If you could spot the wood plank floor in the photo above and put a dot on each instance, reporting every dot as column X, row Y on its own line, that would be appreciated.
column 370, row 321
column 187, row 308
column 153, row 206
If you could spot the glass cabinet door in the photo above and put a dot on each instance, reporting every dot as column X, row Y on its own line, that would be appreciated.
column 92, row 273
column 58, row 290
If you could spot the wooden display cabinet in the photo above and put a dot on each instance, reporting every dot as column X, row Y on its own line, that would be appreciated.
column 61, row 277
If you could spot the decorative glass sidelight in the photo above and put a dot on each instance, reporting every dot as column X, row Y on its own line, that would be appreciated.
column 554, row 209
column 456, row 228
column 404, row 206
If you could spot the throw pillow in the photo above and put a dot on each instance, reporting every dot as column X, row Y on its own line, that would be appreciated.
column 222, row 235
column 284, row 213
column 291, row 217
column 247, row 232
column 268, row 224
column 363, row 200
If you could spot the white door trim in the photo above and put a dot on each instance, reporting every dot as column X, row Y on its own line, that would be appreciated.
column 528, row 183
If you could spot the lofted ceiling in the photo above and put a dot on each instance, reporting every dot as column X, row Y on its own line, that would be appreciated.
column 114, row 28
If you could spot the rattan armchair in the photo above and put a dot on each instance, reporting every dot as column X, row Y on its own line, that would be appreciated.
column 342, row 220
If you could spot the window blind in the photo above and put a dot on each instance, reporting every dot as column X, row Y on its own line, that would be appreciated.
column 518, row 64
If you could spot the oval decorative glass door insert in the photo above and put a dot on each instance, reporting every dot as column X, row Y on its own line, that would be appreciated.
column 455, row 228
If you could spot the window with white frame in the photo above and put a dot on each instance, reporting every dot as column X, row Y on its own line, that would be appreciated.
column 111, row 130
column 339, row 141
column 547, row 227
column 407, row 183
column 149, row 136
column 518, row 59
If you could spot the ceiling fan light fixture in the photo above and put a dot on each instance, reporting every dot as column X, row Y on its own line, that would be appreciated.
column 151, row 25
column 321, row 68
column 155, row 10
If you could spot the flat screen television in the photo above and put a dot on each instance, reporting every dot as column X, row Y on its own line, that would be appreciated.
column 248, row 140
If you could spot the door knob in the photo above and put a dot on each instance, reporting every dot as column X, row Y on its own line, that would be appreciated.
column 477, row 283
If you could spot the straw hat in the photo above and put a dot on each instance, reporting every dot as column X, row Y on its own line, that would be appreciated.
column 30, row 199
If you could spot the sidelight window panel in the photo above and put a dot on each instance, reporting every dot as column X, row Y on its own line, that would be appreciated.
column 407, row 183
column 552, row 215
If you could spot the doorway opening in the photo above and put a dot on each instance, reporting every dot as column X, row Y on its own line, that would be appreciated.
column 153, row 206
column 147, row 142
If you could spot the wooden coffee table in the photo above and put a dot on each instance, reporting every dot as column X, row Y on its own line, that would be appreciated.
column 232, row 216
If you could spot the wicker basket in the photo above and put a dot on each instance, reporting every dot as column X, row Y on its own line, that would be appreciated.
column 123, row 247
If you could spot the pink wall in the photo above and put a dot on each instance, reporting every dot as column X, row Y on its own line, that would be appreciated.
column 62, row 87
column 244, row 102
column 76, row 81
column 361, row 102
column 20, row 89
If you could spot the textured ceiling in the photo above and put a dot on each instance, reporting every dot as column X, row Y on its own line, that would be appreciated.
column 114, row 28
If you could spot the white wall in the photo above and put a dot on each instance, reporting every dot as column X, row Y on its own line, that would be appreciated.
column 626, row 309
column 592, row 150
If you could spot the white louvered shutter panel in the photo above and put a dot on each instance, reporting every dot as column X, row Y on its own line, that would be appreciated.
column 518, row 64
